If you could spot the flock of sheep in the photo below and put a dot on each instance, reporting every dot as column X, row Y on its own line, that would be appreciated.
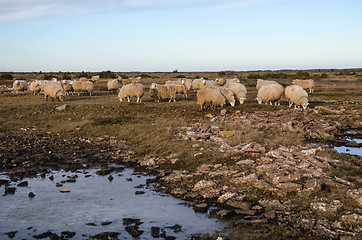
column 218, row 92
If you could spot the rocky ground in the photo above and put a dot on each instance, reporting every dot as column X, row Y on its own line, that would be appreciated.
column 270, row 171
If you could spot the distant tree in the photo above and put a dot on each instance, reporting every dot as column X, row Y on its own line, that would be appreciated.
column 6, row 76
column 175, row 71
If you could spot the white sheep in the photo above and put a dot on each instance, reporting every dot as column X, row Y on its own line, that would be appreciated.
column 197, row 83
column 220, row 81
column 234, row 80
column 87, row 87
column 113, row 85
column 131, row 90
column 180, row 89
column 53, row 90
column 270, row 93
column 227, row 93
column 95, row 79
column 83, row 79
column 207, row 83
column 130, row 80
column 68, row 88
column 210, row 96
column 175, row 82
column 54, row 79
column 297, row 95
column 305, row 84
column 35, row 87
column 260, row 83
column 159, row 92
column 188, row 84
column 238, row 89
column 20, row 85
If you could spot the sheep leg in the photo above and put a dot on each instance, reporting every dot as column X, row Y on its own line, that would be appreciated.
column 129, row 99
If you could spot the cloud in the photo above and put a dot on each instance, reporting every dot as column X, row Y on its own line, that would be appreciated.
column 11, row 10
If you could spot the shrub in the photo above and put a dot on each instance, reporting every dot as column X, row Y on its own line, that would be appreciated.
column 66, row 76
column 302, row 75
column 107, row 74
column 82, row 74
column 6, row 76
column 254, row 76
column 180, row 76
column 324, row 75
column 144, row 75
column 49, row 76
column 175, row 71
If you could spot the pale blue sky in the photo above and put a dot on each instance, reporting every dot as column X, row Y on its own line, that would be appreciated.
column 163, row 35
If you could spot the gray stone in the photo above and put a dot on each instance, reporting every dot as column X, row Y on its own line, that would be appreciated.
column 62, row 108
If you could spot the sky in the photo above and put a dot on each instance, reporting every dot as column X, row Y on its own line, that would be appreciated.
column 183, row 35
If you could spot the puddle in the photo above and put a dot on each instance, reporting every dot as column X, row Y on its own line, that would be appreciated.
column 351, row 150
column 94, row 200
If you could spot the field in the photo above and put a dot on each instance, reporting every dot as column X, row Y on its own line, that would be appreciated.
column 271, row 170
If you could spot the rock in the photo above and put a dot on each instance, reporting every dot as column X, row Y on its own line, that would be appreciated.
column 245, row 212
column 249, row 179
column 352, row 221
column 23, row 184
column 10, row 190
column 238, row 204
column 355, row 194
column 62, row 108
column 66, row 190
column 110, row 178
column 270, row 204
column 31, row 195
column 311, row 186
column 129, row 221
column 139, row 192
column 105, row 235
column 11, row 234
column 105, row 223
column 200, row 207
column 134, row 231
column 352, row 144
column 223, row 112
column 289, row 187
column 210, row 193
column 178, row 192
column 226, row 196
column 323, row 229
column 68, row 234
column 176, row 228
column 270, row 214
column 326, row 209
column 223, row 214
column 203, row 184
column 155, row 232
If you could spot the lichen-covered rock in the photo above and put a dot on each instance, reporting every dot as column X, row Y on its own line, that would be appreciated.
column 203, row 184
column 326, row 209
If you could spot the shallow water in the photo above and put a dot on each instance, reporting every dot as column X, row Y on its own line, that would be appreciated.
column 94, row 199
column 351, row 150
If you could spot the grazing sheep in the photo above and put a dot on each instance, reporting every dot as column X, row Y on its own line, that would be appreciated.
column 305, row 84
column 131, row 90
column 207, row 83
column 158, row 92
column 180, row 89
column 35, row 87
column 68, row 88
column 95, row 79
column 234, row 80
column 83, row 79
column 86, row 87
column 113, row 85
column 188, row 84
column 20, row 85
column 261, row 82
column 54, row 79
column 270, row 93
column 210, row 96
column 54, row 91
column 227, row 93
column 297, row 95
column 175, row 82
column 197, row 83
column 220, row 81
column 238, row 89
column 131, row 80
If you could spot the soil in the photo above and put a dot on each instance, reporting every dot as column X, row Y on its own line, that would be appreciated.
column 271, row 170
